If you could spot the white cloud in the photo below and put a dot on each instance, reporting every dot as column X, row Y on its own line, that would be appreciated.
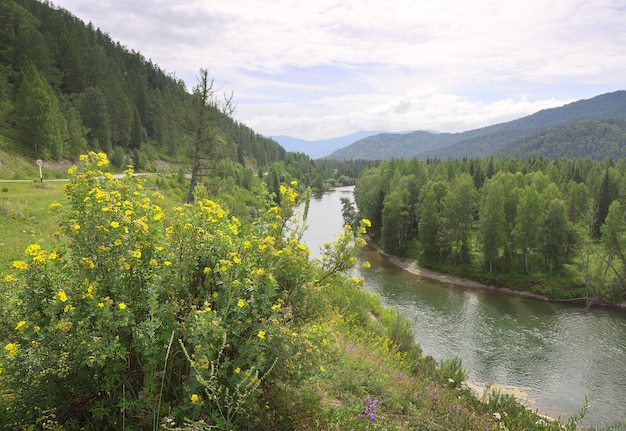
column 329, row 67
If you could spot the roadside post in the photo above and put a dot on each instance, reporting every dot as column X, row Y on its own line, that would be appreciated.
column 40, row 164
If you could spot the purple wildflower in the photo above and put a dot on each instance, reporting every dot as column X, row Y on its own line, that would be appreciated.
column 370, row 408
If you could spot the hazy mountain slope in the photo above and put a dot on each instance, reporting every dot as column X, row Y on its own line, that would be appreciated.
column 387, row 145
column 485, row 141
column 596, row 140
column 320, row 148
column 603, row 107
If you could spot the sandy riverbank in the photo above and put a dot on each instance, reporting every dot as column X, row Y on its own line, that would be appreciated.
column 413, row 268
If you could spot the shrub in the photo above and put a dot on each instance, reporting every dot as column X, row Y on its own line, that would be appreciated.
column 131, row 321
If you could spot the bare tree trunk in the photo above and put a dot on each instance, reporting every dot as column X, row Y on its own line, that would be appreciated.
column 202, row 119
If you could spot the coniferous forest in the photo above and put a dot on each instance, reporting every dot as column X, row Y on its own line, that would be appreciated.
column 67, row 88
column 554, row 227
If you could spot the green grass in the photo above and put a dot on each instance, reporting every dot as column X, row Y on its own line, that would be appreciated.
column 26, row 218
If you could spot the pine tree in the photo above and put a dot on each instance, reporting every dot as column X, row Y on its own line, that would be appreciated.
column 38, row 120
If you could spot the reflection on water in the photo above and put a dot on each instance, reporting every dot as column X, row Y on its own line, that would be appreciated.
column 554, row 353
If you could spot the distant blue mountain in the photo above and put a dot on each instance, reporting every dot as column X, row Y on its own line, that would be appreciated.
column 323, row 147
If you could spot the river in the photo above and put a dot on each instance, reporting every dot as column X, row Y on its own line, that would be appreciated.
column 550, row 355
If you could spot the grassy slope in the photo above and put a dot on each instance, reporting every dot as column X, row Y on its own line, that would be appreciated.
column 26, row 217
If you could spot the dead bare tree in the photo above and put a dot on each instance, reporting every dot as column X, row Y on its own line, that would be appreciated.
column 208, row 108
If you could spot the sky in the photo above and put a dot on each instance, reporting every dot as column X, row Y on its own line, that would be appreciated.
column 327, row 68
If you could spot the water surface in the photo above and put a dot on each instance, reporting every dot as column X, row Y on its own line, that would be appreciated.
column 554, row 354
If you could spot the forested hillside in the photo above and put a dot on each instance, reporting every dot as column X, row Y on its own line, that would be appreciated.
column 486, row 141
column 552, row 227
column 597, row 140
column 385, row 146
column 66, row 88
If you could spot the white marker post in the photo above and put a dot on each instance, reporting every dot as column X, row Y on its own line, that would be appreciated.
column 40, row 164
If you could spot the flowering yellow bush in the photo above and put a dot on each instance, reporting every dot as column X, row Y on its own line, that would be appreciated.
column 138, row 316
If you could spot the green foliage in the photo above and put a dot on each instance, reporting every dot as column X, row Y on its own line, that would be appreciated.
column 38, row 120
column 594, row 139
column 86, row 322
column 493, row 223
column 189, row 318
column 452, row 373
column 395, row 222
column 67, row 88
column 530, row 226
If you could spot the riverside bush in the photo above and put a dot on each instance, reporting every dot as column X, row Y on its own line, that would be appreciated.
column 133, row 321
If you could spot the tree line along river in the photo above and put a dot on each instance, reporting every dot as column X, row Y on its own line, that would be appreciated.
column 549, row 355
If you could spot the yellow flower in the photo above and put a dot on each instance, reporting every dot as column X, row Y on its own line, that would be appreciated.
column 83, row 157
column 195, row 399
column 121, row 306
column 167, row 263
column 115, row 224
column 61, row 296
column 8, row 278
column 20, row 264
column 365, row 222
column 237, row 370
column 322, row 368
column 11, row 349
column 101, row 159
column 76, row 226
column 101, row 304
column 53, row 255
column 366, row 264
column 72, row 170
column 117, row 242
column 54, row 205
column 261, row 334
column 294, row 183
column 137, row 254
column 241, row 303
column 40, row 257
column 87, row 262
column 20, row 325
column 282, row 189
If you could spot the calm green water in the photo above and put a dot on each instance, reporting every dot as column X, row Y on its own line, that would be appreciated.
column 555, row 354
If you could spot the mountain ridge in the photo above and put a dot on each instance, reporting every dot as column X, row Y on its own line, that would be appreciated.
column 483, row 142
column 319, row 148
